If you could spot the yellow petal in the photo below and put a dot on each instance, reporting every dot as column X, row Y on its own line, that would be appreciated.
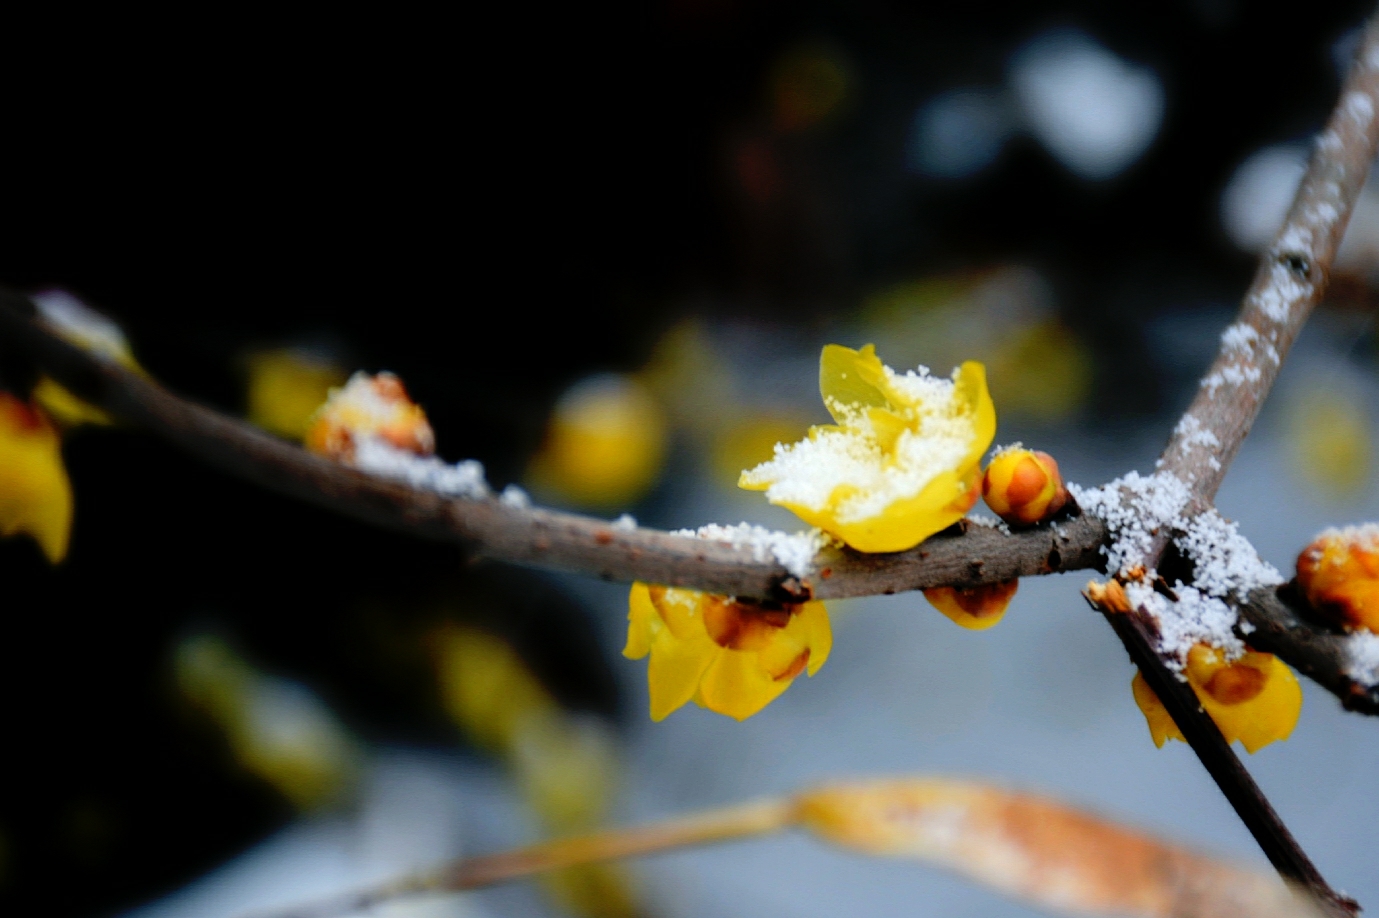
column 640, row 614
column 1161, row 725
column 975, row 608
column 848, row 377
column 675, row 670
column 1271, row 715
column 903, row 524
column 66, row 408
column 735, row 684
column 35, row 493
column 970, row 389
column 813, row 620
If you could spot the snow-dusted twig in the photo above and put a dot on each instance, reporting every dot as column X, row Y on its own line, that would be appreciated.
column 1291, row 279
column 729, row 560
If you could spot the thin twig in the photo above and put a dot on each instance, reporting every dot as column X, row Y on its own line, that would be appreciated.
column 1029, row 847
column 1281, row 626
column 965, row 555
column 1290, row 282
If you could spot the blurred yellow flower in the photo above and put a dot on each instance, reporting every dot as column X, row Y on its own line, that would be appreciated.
column 975, row 608
column 1331, row 441
column 1255, row 699
column 604, row 444
column 727, row 655
column 35, row 493
column 901, row 463
column 286, row 386
column 1339, row 574
column 277, row 729
column 565, row 765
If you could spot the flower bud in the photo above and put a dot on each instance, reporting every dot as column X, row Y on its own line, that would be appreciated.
column 1023, row 486
column 1339, row 575
column 977, row 608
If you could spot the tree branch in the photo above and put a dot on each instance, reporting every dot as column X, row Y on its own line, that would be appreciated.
column 1290, row 281
column 964, row 555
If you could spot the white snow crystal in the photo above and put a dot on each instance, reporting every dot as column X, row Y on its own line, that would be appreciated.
column 625, row 523
column 1362, row 658
column 464, row 479
column 1225, row 565
column 513, row 496
column 793, row 552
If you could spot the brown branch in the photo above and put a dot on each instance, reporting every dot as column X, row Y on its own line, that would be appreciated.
column 1290, row 281
column 964, row 555
column 1283, row 627
column 1033, row 849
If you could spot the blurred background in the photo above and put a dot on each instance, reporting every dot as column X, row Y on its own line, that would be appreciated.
column 602, row 247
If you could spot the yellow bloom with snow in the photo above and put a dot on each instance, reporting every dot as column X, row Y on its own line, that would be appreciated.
column 369, row 407
column 1255, row 699
column 35, row 493
column 901, row 463
column 726, row 655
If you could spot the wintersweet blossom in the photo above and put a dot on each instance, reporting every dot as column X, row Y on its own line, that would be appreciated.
column 726, row 655
column 900, row 464
column 373, row 407
column 35, row 493
column 975, row 608
column 1339, row 574
column 1255, row 699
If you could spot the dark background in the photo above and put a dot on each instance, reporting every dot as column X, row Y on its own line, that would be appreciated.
column 492, row 205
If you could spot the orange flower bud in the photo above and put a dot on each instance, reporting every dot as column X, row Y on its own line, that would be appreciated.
column 1023, row 486
column 977, row 608
column 1339, row 575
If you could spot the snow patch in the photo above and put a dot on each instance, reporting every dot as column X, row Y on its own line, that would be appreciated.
column 1361, row 658
column 793, row 552
column 427, row 473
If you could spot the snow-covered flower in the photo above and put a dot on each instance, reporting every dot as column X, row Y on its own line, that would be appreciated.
column 370, row 408
column 900, row 464
column 726, row 655
column 1255, row 699
column 1339, row 575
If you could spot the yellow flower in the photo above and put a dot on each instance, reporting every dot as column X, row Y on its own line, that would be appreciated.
column 976, row 608
column 902, row 462
column 1339, row 575
column 1023, row 486
column 727, row 655
column 35, row 493
column 1256, row 699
